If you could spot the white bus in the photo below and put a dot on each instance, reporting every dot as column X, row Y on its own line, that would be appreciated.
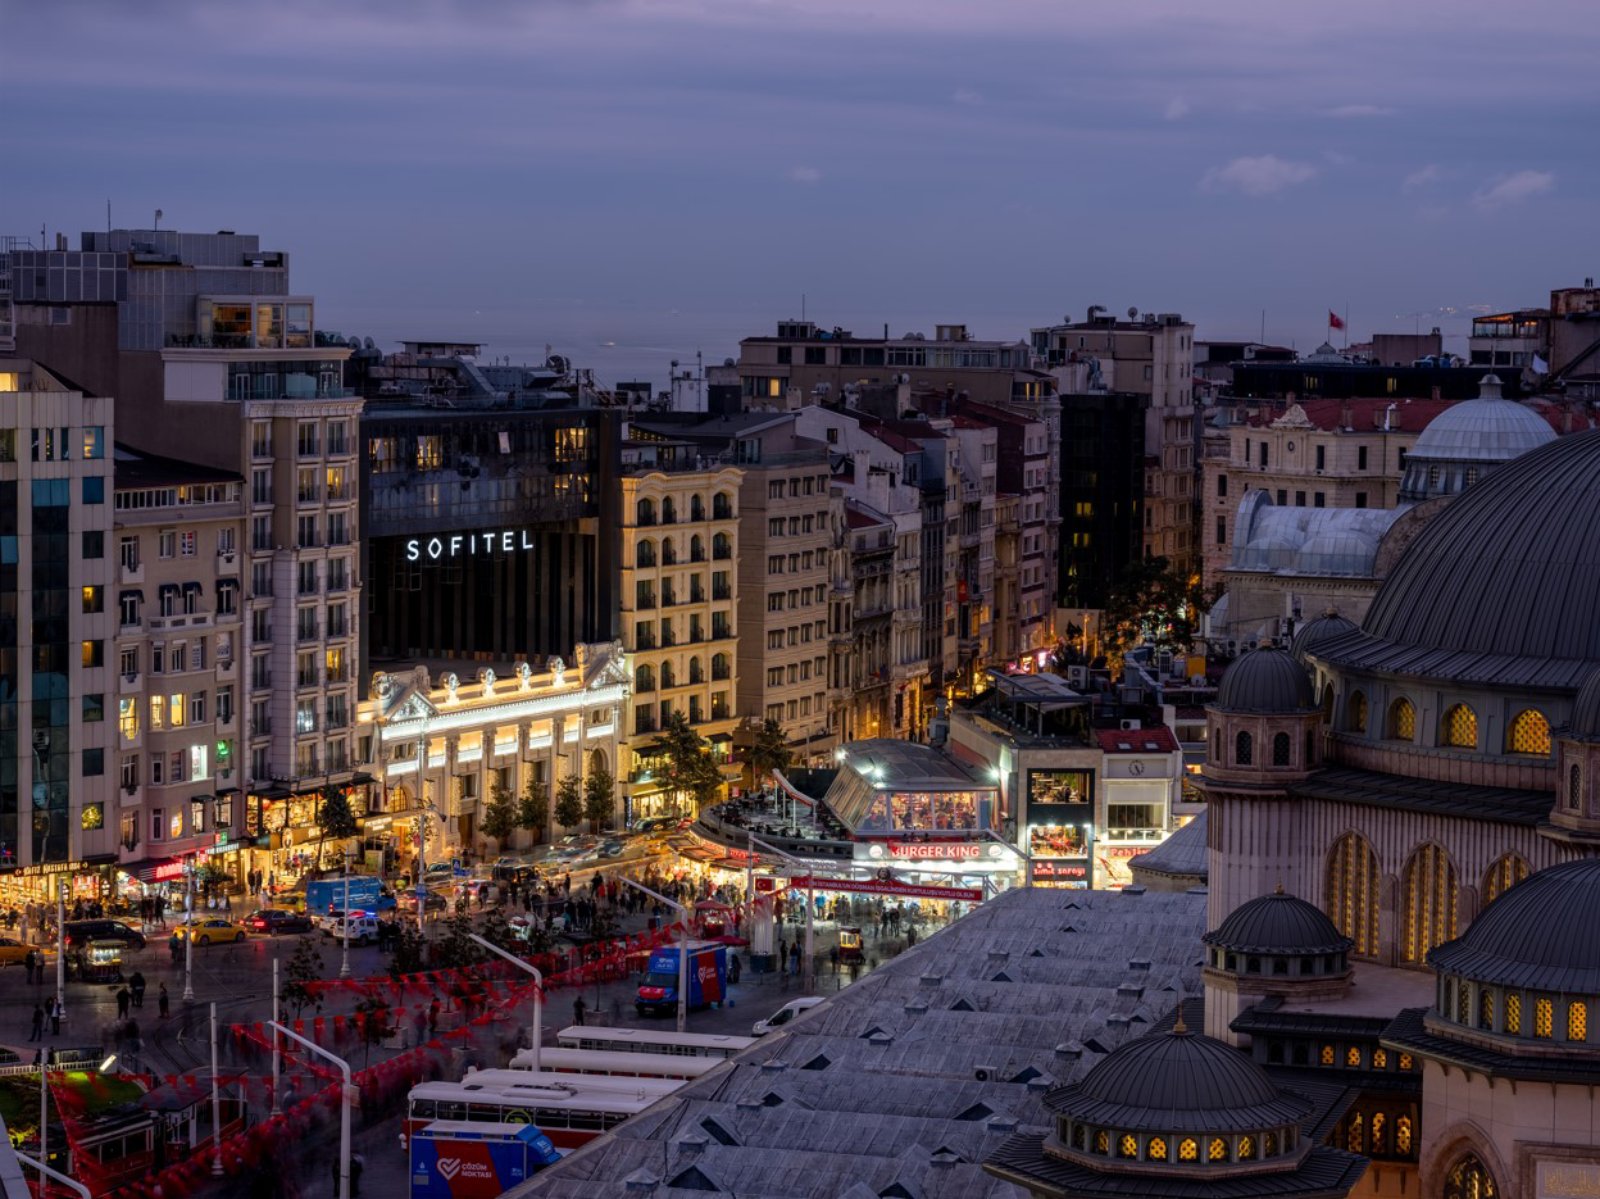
column 642, row 1087
column 644, row 1040
column 622, row 1064
column 569, row 1115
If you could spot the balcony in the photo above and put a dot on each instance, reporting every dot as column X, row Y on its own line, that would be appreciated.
column 131, row 573
column 722, row 592
column 189, row 620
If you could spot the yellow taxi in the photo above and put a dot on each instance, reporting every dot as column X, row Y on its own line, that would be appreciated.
column 211, row 929
column 13, row 952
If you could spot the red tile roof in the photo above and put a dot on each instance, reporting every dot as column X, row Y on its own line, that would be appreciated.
column 1158, row 740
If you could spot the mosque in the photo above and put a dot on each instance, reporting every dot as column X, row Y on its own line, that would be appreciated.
column 1403, row 888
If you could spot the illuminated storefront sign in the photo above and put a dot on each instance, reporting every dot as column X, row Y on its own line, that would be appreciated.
column 1060, row 870
column 922, row 850
column 460, row 545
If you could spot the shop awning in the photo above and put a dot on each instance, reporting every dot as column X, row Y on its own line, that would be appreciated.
column 154, row 870
column 720, row 738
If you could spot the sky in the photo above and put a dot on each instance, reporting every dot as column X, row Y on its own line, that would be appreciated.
column 670, row 175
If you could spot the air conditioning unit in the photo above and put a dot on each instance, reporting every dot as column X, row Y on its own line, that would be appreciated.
column 986, row 1073
column 1129, row 725
column 1078, row 676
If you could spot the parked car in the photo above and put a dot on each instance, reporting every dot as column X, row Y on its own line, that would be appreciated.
column 214, row 928
column 273, row 921
column 12, row 951
column 784, row 1014
column 611, row 849
column 363, row 929
column 81, row 932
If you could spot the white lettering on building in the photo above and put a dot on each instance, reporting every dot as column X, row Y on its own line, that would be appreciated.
column 459, row 545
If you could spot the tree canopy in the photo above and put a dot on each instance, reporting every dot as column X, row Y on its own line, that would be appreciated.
column 1152, row 604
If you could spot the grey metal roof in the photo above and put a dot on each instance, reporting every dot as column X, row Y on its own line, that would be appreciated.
column 1374, row 789
column 1584, row 720
column 1307, row 541
column 1487, row 429
column 1278, row 923
column 1409, row 1033
column 1042, row 690
column 1320, row 631
column 1185, row 854
column 878, row 1086
column 1499, row 584
column 1539, row 935
column 1266, row 680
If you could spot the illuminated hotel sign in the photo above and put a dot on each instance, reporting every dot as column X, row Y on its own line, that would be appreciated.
column 460, row 545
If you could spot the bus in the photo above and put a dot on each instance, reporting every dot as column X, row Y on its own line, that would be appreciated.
column 570, row 1117
column 644, row 1040
column 585, row 1084
column 623, row 1064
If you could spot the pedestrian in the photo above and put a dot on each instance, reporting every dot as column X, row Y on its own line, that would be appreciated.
column 38, row 1024
column 433, row 1017
column 124, row 1001
column 357, row 1164
column 163, row 1002
column 28, row 964
column 833, row 956
column 137, row 984
column 57, row 1011
column 578, row 1008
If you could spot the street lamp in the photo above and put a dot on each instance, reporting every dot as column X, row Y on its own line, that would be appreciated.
column 536, row 1034
column 61, row 948
column 344, row 964
column 348, row 1094
column 188, row 935
column 1088, row 856
column 683, row 946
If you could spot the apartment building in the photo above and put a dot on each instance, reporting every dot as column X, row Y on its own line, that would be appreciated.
column 805, row 363
column 180, row 531
column 1316, row 453
column 680, row 606
column 57, row 790
column 978, row 446
column 1150, row 355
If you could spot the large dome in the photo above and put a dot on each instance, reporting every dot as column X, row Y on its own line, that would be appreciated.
column 1278, row 923
column 1584, row 723
column 1539, row 935
column 1499, row 587
column 1488, row 429
column 1178, row 1081
column 1266, row 680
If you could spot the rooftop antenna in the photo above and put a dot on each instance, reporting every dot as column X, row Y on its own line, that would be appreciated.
column 108, row 214
column 802, row 305
column 159, row 215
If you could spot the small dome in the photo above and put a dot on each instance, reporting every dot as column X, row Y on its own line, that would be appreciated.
column 1584, row 723
column 1266, row 680
column 1487, row 429
column 1279, row 924
column 1537, row 935
column 1321, row 631
column 1178, row 1081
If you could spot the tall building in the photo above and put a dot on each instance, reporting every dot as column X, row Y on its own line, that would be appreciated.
column 57, row 794
column 180, row 636
column 680, row 606
column 1102, row 495
column 1151, row 356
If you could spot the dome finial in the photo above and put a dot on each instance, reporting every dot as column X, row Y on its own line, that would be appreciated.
column 1179, row 1028
column 1279, row 890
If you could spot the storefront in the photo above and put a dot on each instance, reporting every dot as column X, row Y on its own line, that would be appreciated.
column 85, row 880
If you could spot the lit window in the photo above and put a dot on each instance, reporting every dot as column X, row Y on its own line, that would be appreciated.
column 1356, row 710
column 1405, row 1061
column 1102, row 1141
column 1327, row 1055
column 1377, row 1132
column 1470, row 1180
column 1188, row 1150
column 1459, row 728
column 1352, row 1058
column 1577, row 1021
column 1218, row 1150
column 1428, row 890
column 1513, row 1012
column 1402, row 721
column 1486, row 1008
column 1530, row 734
column 1380, row 1059
column 1247, row 1149
column 1355, row 1137
column 1543, row 1021
column 175, row 827
column 1155, row 1149
column 1506, row 873
column 1128, row 1146
column 1402, row 1134
column 94, row 817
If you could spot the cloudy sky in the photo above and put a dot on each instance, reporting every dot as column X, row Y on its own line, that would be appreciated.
column 678, row 172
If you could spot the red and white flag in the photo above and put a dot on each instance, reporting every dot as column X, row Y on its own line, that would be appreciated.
column 1335, row 321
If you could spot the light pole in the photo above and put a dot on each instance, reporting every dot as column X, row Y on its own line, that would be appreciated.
column 683, row 946
column 1088, row 856
column 61, row 948
column 188, row 935
column 277, row 1045
column 216, row 1101
column 348, row 1095
column 536, row 1034
column 808, row 979
column 344, row 964
column 423, row 813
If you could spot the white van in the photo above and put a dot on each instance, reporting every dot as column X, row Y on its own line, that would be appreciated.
column 363, row 929
column 784, row 1014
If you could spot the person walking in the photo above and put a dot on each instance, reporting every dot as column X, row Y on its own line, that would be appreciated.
column 163, row 1002
column 28, row 963
column 136, row 983
column 578, row 1008
column 124, row 1001
column 57, row 1011
column 38, row 1024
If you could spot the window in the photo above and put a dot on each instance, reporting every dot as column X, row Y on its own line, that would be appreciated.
column 306, row 531
column 1222, row 530
column 1188, row 1150
column 1155, row 1149
column 1280, row 749
column 1542, row 1023
column 94, row 489
column 1468, row 1179
column 1128, row 1145
column 1361, row 499
column 1402, row 720
column 1322, row 457
column 1574, row 788
column 1504, row 874
column 1356, row 712
column 1242, row 748
column 1486, row 1008
column 1577, row 1011
column 93, row 654
column 94, row 544
column 1352, row 891
column 1513, row 1012
column 306, row 439
column 186, row 543
column 1428, row 889
column 1529, row 734
column 1361, row 457
column 1459, row 728
column 1222, row 486
column 1217, row 1150
column 94, row 599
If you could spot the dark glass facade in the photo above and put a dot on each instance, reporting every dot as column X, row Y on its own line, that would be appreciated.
column 10, row 672
column 51, row 741
column 1102, row 492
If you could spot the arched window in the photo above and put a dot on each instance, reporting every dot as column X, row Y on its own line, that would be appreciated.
column 1216, row 746
column 1352, row 891
column 1355, row 712
column 1242, row 749
column 721, row 546
column 1078, row 1136
column 1574, row 789
column 667, row 673
column 1380, row 1059
column 1577, row 1021
column 645, row 511
column 1102, row 1141
column 1356, row 1135
column 1469, row 1179
column 1428, row 886
column 1543, row 1022
column 669, row 513
column 1217, row 1151
column 1486, row 1008
column 1247, row 1149
column 1128, row 1146
column 1188, row 1150
column 697, row 508
column 644, row 678
column 1529, row 734
column 722, row 506
column 1269, row 1145
column 1459, row 728
column 1506, row 873
column 1155, row 1149
column 1376, row 1135
column 1402, row 1135
column 697, row 549
column 1402, row 721
column 1280, row 749
column 669, row 552
column 1327, row 1058
column 697, row 672
column 1352, row 1057
column 1513, row 1013
column 719, row 666
column 1327, row 704
column 645, row 553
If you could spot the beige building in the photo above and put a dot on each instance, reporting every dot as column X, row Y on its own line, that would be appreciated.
column 180, row 639
column 680, row 605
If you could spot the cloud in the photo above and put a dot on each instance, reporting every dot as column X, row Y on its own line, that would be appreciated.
column 1357, row 111
column 1513, row 189
column 1259, row 175
column 1420, row 178
column 966, row 95
column 1177, row 109
column 805, row 175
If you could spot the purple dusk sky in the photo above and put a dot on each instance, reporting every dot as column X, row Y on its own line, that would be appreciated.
column 672, row 174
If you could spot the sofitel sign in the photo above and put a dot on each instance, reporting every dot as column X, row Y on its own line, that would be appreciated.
column 456, row 545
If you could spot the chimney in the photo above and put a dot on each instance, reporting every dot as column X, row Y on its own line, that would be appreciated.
column 1346, row 417
column 1436, row 394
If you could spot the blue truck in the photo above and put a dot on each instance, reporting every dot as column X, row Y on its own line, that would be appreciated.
column 708, row 978
column 454, row 1159
column 328, row 895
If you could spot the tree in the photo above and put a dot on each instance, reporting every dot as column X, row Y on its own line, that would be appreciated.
column 690, row 770
column 533, row 808
column 770, row 751
column 334, row 819
column 410, row 951
column 457, row 948
column 1151, row 604
column 499, row 815
column 304, row 968
column 376, row 1024
column 569, row 801
column 599, row 797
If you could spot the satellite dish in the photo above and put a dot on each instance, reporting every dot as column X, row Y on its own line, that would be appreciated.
column 368, row 343
column 1133, row 314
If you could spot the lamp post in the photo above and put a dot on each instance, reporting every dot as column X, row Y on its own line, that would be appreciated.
column 344, row 964
column 61, row 948
column 808, row 978
column 216, row 1101
column 347, row 1096
column 536, row 1034
column 423, row 813
column 1088, row 856
column 188, row 935
column 683, row 946
column 277, row 1045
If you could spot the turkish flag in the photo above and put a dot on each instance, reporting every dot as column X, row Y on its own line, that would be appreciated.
column 1334, row 320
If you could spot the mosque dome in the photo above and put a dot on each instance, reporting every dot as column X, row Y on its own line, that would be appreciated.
column 1278, row 924
column 1266, row 680
column 1487, row 429
column 1584, row 723
column 1321, row 631
column 1537, row 936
